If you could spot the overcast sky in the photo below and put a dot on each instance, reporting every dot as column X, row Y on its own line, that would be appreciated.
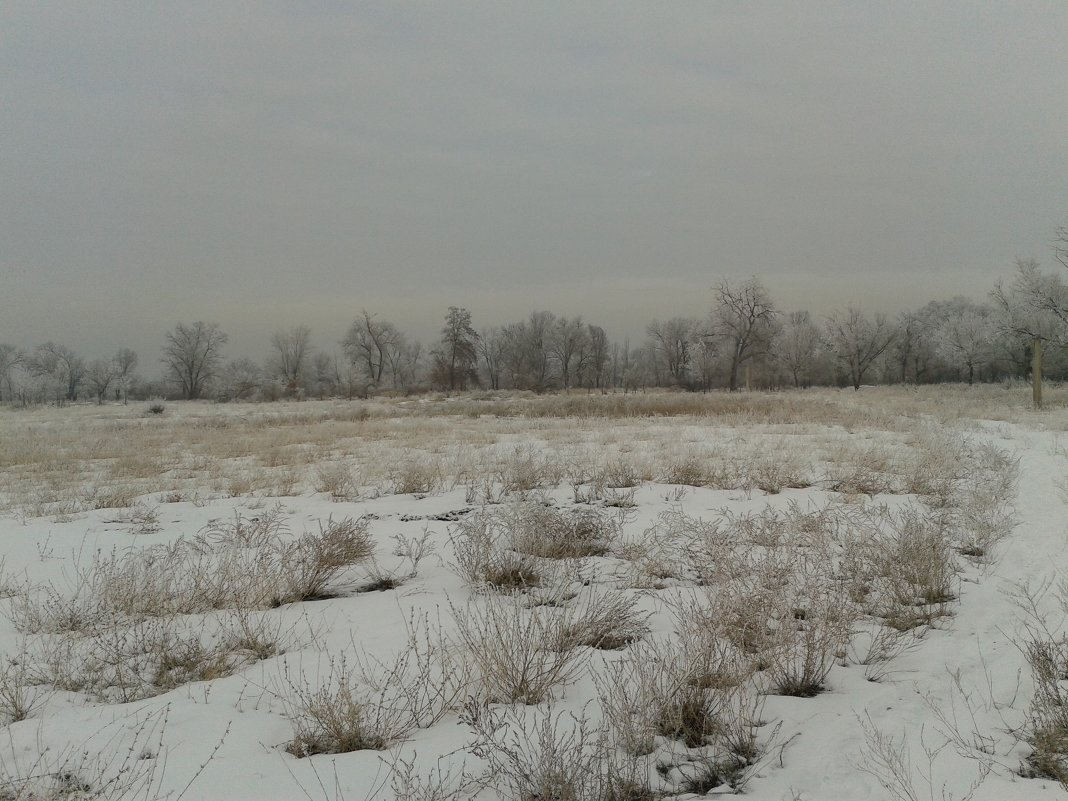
column 267, row 165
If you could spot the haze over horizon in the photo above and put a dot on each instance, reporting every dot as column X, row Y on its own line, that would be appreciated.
column 266, row 166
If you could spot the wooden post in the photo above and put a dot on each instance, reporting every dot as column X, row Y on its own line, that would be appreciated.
column 1036, row 372
column 748, row 377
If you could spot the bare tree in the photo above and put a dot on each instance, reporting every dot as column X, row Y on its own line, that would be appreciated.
column 705, row 358
column 857, row 341
column 568, row 340
column 326, row 374
column 192, row 356
column 743, row 318
column 596, row 364
column 672, row 341
column 456, row 358
column 491, row 349
column 125, row 363
column 405, row 362
column 965, row 338
column 914, row 346
column 59, row 365
column 1060, row 245
column 240, row 379
column 526, row 356
column 797, row 346
column 10, row 358
column 99, row 375
column 289, row 361
column 371, row 345
column 1033, row 307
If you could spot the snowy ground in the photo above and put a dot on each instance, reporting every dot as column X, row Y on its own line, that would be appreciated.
column 943, row 718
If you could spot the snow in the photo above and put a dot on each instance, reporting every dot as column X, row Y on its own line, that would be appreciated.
column 226, row 738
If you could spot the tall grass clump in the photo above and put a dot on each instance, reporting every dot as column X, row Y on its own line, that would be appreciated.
column 526, row 544
column 690, row 705
column 914, row 568
column 543, row 753
column 239, row 564
column 364, row 703
column 521, row 654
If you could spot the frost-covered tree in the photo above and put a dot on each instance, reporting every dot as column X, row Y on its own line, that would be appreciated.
column 456, row 357
column 526, row 358
column 568, row 343
column 60, row 368
column 595, row 365
column 192, row 356
column 405, row 363
column 914, row 348
column 1033, row 307
column 743, row 317
column 240, row 379
column 965, row 338
column 125, row 361
column 290, row 358
column 1034, row 304
column 99, row 375
column 10, row 358
column 672, row 341
column 491, row 349
column 797, row 345
column 371, row 345
column 326, row 374
column 857, row 341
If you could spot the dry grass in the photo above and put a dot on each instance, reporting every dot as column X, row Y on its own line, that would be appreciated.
column 550, row 533
column 521, row 655
column 763, row 601
column 66, row 461
column 362, row 703
column 148, row 657
column 239, row 564
column 548, row 754
column 120, row 762
column 914, row 569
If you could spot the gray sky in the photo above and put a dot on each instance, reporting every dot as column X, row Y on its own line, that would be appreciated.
column 267, row 165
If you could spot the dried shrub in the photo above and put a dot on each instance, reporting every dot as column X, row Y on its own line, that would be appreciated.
column 482, row 556
column 544, row 754
column 338, row 481
column 144, row 658
column 416, row 477
column 526, row 469
column 511, row 648
column 255, row 531
column 369, row 704
column 607, row 621
column 20, row 696
column 914, row 568
column 777, row 472
column 689, row 471
column 689, row 702
column 306, row 569
column 550, row 533
column 619, row 474
column 116, row 497
column 242, row 564
column 863, row 471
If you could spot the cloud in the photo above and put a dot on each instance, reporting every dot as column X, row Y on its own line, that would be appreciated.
column 192, row 156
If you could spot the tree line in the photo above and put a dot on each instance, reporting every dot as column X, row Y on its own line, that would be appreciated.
column 745, row 340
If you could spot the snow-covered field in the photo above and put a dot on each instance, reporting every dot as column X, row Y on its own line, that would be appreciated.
column 811, row 595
